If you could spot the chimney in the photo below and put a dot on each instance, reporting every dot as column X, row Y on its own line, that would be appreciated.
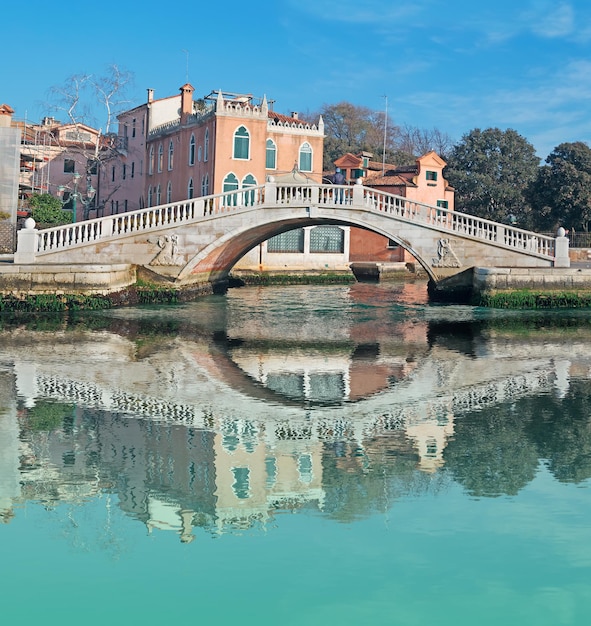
column 5, row 115
column 150, row 95
column 186, row 101
column 295, row 114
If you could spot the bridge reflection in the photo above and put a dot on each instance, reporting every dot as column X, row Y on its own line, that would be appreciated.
column 225, row 432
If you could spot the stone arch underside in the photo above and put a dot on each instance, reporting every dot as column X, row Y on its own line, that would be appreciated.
column 214, row 262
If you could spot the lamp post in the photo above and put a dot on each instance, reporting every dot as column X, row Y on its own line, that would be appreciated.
column 76, row 196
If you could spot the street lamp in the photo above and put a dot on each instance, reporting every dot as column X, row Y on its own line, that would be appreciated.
column 76, row 196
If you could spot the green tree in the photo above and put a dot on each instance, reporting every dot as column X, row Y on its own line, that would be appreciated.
column 561, row 193
column 47, row 210
column 491, row 170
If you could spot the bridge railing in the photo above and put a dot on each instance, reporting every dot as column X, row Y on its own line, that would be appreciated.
column 460, row 223
column 162, row 216
column 273, row 194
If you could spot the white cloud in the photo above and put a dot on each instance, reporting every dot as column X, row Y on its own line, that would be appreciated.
column 557, row 21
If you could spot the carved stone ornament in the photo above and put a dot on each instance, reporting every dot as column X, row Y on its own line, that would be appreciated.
column 168, row 253
column 445, row 255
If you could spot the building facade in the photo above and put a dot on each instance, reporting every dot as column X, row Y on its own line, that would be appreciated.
column 423, row 182
column 177, row 148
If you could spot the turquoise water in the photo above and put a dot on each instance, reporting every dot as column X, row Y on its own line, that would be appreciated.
column 302, row 456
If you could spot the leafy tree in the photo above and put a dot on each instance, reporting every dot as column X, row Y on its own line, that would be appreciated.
column 47, row 210
column 561, row 193
column 491, row 170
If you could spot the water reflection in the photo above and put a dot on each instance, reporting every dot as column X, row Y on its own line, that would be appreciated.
column 221, row 414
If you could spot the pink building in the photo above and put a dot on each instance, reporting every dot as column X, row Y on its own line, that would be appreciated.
column 177, row 148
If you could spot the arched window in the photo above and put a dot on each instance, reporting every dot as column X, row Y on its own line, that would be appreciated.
column 230, row 184
column 241, row 143
column 306, row 157
column 200, row 154
column 192, row 150
column 158, row 195
column 169, row 192
column 151, row 161
column 271, row 159
column 190, row 189
column 170, row 154
column 249, row 181
column 160, row 157
column 150, row 195
column 205, row 185
column 206, row 146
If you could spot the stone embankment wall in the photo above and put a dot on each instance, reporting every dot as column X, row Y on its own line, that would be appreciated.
column 491, row 279
column 24, row 280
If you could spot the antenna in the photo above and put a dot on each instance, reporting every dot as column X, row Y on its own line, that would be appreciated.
column 187, row 69
column 385, row 134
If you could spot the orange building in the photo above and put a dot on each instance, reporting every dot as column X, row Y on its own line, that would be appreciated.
column 423, row 182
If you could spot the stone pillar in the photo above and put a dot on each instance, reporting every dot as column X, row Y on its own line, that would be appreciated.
column 270, row 191
column 561, row 257
column 26, row 246
column 358, row 193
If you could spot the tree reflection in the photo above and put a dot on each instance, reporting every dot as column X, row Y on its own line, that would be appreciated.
column 490, row 454
column 561, row 430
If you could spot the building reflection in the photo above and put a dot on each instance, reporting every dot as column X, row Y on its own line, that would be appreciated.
column 225, row 435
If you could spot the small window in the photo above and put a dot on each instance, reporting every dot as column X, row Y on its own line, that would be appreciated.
column 113, row 174
column 306, row 157
column 249, row 196
column 192, row 150
column 132, row 169
column 190, row 189
column 170, row 154
column 241, row 143
column 124, row 172
column 92, row 167
column 160, row 157
column 158, row 195
column 133, row 127
column 150, row 196
column 69, row 166
column 169, row 192
column 442, row 203
column 230, row 184
column 271, row 158
column 151, row 161
column 206, row 146
column 205, row 185
column 431, row 175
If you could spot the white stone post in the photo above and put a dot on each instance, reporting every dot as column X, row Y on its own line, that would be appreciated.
column 561, row 257
column 270, row 191
column 358, row 193
column 26, row 246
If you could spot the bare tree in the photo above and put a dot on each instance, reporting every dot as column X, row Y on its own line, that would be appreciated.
column 93, row 101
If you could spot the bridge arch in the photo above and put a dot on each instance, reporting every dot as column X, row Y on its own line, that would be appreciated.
column 219, row 256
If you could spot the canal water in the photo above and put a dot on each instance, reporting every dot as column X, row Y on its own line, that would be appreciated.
column 297, row 456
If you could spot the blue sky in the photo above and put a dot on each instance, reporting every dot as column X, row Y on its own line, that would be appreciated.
column 451, row 65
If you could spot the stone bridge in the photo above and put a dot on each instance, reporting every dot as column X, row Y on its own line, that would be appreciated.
column 199, row 240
